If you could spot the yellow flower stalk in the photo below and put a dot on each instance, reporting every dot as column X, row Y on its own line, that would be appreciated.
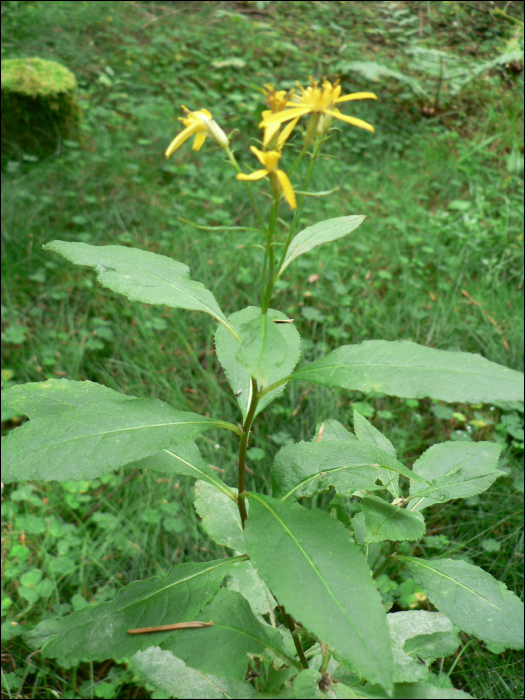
column 201, row 125
column 319, row 101
column 277, row 101
column 270, row 161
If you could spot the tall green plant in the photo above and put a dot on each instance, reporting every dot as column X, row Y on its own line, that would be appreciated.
column 303, row 616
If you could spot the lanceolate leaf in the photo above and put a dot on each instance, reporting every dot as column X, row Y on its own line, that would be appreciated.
column 367, row 433
column 244, row 579
column 143, row 276
column 220, row 516
column 419, row 633
column 455, row 470
column 184, row 459
column 223, row 649
column 331, row 591
column 387, row 522
column 409, row 370
column 423, row 634
column 238, row 377
column 318, row 234
column 39, row 399
column 171, row 676
column 427, row 691
column 306, row 468
column 332, row 430
column 96, row 438
column 99, row 632
column 263, row 349
column 472, row 599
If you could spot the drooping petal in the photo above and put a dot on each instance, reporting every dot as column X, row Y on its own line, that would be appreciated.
column 257, row 175
column 285, row 133
column 199, row 141
column 259, row 154
column 356, row 96
column 180, row 138
column 288, row 192
column 351, row 120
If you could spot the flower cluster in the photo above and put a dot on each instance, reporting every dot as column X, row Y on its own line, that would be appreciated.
column 319, row 102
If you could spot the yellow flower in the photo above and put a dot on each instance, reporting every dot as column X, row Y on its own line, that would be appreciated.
column 277, row 101
column 319, row 101
column 270, row 160
column 202, row 125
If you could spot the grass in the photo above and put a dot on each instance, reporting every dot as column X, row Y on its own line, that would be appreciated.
column 438, row 260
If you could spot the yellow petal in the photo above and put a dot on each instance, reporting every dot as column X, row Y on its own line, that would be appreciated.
column 280, row 117
column 357, row 96
column 257, row 175
column 285, row 133
column 180, row 138
column 351, row 120
column 269, row 132
column 199, row 140
column 288, row 192
column 259, row 154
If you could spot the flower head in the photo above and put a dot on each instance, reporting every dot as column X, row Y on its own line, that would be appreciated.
column 319, row 101
column 270, row 161
column 277, row 102
column 201, row 125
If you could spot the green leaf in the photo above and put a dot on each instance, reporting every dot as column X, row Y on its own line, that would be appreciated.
column 400, row 368
column 306, row 468
column 427, row 691
column 223, row 649
column 333, row 430
column 244, row 579
column 470, row 597
column 96, row 438
column 99, row 631
column 418, row 633
column 170, row 675
column 306, row 685
column 263, row 349
column 455, row 470
column 367, row 433
column 237, row 376
column 143, row 276
column 184, row 459
column 387, row 522
column 320, row 233
column 39, row 399
column 308, row 562
column 220, row 516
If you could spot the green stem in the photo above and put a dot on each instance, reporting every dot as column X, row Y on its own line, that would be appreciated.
column 326, row 654
column 270, row 256
column 387, row 561
column 243, row 447
column 297, row 213
column 274, row 386
column 290, row 623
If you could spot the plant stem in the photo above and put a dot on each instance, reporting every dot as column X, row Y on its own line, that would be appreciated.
column 290, row 623
column 387, row 561
column 308, row 176
column 326, row 654
column 254, row 400
column 270, row 256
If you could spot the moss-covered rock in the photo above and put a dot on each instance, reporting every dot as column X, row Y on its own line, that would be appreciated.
column 39, row 106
